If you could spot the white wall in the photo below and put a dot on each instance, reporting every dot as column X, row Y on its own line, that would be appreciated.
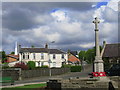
column 57, row 62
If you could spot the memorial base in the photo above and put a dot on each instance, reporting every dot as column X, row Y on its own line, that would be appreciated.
column 98, row 64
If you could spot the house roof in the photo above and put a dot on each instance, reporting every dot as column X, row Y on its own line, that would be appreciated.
column 44, row 50
column 13, row 56
column 74, row 53
column 56, row 51
column 72, row 58
column 112, row 50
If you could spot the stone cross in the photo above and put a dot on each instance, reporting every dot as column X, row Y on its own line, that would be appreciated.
column 98, row 62
column 96, row 21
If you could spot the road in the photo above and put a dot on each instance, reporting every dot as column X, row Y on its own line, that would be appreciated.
column 84, row 73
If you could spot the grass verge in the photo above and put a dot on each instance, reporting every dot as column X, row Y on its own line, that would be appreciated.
column 26, row 87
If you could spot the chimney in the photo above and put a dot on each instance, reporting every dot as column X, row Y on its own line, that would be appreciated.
column 46, row 46
column 19, row 47
column 16, row 48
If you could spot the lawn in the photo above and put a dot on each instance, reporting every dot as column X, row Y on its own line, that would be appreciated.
column 30, row 87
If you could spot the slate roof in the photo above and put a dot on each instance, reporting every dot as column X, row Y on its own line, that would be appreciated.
column 112, row 50
column 42, row 50
column 74, row 53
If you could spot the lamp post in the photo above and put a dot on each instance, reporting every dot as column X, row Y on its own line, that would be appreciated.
column 49, row 61
column 82, row 64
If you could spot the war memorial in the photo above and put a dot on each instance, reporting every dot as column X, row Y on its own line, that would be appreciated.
column 99, row 81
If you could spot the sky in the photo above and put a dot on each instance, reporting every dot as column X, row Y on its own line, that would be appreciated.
column 69, row 24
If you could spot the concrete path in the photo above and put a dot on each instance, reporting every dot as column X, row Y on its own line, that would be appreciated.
column 83, row 74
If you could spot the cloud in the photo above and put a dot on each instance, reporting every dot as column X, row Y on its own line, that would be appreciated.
column 106, row 10
column 69, row 25
column 108, row 13
column 99, row 13
column 87, row 45
column 113, row 4
column 59, row 15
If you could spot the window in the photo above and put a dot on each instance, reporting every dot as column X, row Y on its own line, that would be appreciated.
column 23, row 56
column 42, row 63
column 28, row 56
column 42, row 56
column 53, row 56
column 39, row 63
column 62, row 56
column 54, row 64
column 33, row 55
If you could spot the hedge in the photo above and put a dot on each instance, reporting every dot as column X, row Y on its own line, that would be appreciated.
column 66, row 66
column 75, row 68
column 31, row 64
column 44, row 66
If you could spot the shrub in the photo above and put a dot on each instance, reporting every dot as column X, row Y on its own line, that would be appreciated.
column 75, row 68
column 37, row 67
column 5, row 66
column 66, row 66
column 21, row 65
column 31, row 64
column 44, row 66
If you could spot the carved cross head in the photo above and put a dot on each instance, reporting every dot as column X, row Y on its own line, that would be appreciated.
column 96, row 21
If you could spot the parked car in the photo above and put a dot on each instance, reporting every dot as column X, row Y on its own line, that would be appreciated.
column 114, row 70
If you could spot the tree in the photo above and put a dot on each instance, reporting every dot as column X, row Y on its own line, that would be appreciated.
column 3, row 56
column 12, row 52
column 32, row 46
column 31, row 64
column 90, row 55
column 81, row 55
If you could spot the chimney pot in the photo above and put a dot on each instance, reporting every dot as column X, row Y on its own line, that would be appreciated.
column 46, row 45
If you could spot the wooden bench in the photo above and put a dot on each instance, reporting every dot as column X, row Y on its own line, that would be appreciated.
column 6, row 80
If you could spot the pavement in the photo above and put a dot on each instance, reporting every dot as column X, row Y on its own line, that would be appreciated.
column 44, row 79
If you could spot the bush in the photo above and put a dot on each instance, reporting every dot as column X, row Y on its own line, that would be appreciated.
column 31, row 64
column 75, row 68
column 66, row 66
column 5, row 67
column 44, row 66
column 21, row 65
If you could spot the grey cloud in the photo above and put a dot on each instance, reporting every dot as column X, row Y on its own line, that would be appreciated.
column 44, row 6
column 20, row 16
column 18, row 19
column 110, row 15
column 31, row 24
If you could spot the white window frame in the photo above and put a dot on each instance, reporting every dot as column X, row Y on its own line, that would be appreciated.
column 63, row 56
column 34, row 56
column 54, row 56
column 42, row 55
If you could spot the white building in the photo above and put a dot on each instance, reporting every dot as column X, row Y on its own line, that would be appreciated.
column 43, row 56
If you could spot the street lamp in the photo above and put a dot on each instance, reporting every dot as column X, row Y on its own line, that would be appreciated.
column 49, row 61
column 82, row 64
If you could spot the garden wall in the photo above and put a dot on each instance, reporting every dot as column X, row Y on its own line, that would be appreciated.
column 16, row 74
